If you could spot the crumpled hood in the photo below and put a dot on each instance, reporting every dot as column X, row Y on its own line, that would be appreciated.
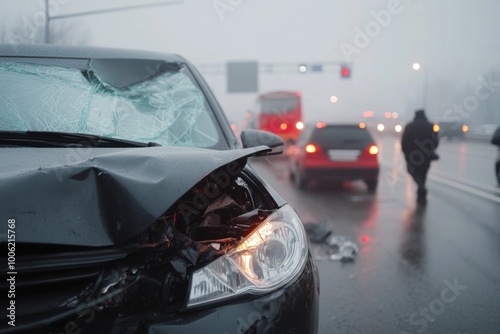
column 99, row 196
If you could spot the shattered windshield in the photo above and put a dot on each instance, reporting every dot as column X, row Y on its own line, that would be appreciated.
column 169, row 108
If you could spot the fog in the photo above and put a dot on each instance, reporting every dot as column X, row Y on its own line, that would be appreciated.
column 455, row 41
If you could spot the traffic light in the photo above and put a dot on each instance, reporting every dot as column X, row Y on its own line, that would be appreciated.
column 345, row 72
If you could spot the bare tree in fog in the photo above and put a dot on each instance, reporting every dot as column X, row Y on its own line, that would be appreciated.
column 25, row 32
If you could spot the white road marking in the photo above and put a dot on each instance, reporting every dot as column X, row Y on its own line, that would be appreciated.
column 464, row 187
column 468, row 186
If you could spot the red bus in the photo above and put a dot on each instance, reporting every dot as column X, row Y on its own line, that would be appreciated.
column 280, row 112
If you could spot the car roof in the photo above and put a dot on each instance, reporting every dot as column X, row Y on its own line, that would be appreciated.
column 312, row 129
column 118, row 67
column 82, row 52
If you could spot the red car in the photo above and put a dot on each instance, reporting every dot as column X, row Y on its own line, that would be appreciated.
column 335, row 153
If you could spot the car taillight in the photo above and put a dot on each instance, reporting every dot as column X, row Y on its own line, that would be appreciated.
column 321, row 125
column 373, row 150
column 313, row 151
column 370, row 153
column 311, row 148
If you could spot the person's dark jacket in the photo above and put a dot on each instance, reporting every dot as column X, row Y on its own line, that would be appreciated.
column 419, row 140
column 495, row 140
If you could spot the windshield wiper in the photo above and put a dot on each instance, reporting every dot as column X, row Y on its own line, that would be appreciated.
column 64, row 139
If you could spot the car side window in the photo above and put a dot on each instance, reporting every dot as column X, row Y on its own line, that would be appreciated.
column 304, row 136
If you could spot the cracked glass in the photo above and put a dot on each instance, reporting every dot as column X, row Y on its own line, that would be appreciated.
column 168, row 109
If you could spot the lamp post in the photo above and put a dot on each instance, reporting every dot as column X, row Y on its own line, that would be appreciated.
column 49, row 18
column 417, row 67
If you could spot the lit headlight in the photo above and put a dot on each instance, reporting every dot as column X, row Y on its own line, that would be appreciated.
column 270, row 257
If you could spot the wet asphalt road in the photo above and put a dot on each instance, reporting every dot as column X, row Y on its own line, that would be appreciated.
column 432, row 270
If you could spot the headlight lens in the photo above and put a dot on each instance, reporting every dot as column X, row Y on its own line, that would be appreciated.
column 270, row 257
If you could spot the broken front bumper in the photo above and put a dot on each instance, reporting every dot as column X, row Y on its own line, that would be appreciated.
column 290, row 309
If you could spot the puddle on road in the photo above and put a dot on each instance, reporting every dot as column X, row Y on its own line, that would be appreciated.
column 328, row 246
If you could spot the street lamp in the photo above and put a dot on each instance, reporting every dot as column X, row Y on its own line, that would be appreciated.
column 48, row 18
column 417, row 67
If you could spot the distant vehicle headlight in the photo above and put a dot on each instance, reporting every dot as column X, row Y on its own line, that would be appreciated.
column 380, row 127
column 398, row 128
column 270, row 257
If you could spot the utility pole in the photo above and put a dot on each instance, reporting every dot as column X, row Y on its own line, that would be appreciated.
column 47, row 23
column 49, row 18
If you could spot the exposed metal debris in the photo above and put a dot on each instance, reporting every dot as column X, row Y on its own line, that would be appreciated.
column 328, row 245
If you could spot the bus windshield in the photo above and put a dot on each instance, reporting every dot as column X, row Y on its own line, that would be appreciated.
column 281, row 114
column 279, row 105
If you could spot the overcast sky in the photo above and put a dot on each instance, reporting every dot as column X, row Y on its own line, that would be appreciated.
column 456, row 41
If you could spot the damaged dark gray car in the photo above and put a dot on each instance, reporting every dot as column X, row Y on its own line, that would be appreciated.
column 129, row 207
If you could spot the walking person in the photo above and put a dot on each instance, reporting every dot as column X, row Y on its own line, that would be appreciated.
column 419, row 142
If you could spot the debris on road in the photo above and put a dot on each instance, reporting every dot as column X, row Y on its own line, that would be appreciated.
column 328, row 245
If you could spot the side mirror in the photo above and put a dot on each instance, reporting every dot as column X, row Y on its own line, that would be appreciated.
column 253, row 138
